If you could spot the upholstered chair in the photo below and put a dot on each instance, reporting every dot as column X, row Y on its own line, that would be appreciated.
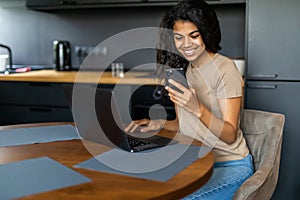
column 263, row 133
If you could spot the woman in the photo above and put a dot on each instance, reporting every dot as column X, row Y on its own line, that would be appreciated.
column 209, row 109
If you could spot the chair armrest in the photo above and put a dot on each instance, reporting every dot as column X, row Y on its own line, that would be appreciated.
column 255, row 185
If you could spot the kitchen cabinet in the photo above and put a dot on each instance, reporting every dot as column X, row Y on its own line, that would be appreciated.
column 39, row 96
column 281, row 97
column 18, row 114
column 79, row 4
column 273, row 78
column 30, row 102
column 273, row 40
column 32, row 93
column 34, row 102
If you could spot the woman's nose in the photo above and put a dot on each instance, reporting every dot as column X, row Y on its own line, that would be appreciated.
column 187, row 42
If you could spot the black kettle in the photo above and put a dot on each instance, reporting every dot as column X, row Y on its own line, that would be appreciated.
column 62, row 55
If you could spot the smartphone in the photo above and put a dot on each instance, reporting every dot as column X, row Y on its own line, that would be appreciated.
column 178, row 75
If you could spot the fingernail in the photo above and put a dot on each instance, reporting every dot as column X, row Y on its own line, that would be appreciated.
column 142, row 130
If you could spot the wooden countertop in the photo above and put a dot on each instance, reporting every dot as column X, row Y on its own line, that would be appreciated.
column 100, row 77
column 81, row 77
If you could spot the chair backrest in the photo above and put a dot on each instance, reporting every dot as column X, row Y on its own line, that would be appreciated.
column 263, row 133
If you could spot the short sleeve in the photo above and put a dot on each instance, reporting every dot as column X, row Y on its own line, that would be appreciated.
column 230, row 82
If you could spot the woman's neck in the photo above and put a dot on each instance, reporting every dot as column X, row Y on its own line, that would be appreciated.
column 203, row 60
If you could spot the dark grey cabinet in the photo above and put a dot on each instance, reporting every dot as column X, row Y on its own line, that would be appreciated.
column 32, row 93
column 31, row 102
column 273, row 39
column 79, row 4
column 273, row 78
column 282, row 97
column 16, row 114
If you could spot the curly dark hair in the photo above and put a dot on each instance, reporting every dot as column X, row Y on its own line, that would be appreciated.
column 197, row 12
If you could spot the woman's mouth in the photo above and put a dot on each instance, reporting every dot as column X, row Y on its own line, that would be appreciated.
column 189, row 52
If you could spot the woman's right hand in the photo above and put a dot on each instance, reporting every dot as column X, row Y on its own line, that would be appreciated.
column 145, row 125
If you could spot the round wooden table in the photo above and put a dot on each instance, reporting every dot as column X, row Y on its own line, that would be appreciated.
column 106, row 185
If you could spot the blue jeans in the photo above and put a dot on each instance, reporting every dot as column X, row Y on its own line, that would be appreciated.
column 225, row 180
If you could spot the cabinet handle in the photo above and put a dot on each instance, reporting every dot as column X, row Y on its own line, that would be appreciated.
column 254, row 86
column 39, row 84
column 40, row 109
column 262, row 76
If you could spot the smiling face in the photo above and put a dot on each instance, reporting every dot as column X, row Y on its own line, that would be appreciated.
column 188, row 41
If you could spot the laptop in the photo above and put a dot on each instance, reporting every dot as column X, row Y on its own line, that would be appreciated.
column 98, row 119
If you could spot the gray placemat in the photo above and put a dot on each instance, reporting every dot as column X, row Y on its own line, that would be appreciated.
column 117, row 161
column 34, row 176
column 34, row 135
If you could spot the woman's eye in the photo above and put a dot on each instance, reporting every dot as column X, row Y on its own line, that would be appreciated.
column 178, row 37
column 195, row 36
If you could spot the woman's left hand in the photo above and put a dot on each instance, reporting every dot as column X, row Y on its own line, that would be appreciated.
column 187, row 99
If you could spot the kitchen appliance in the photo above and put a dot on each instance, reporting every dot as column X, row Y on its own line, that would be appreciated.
column 62, row 55
column 9, row 55
column 273, row 79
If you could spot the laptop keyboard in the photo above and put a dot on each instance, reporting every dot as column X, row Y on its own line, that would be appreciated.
column 136, row 142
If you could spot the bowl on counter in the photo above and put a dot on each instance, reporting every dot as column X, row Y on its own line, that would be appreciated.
column 240, row 64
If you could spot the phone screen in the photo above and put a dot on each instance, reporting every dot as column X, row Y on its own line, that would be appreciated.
column 178, row 75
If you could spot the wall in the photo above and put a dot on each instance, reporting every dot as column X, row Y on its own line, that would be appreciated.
column 30, row 33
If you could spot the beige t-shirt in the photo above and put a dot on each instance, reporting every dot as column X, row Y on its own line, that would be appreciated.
column 218, row 79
